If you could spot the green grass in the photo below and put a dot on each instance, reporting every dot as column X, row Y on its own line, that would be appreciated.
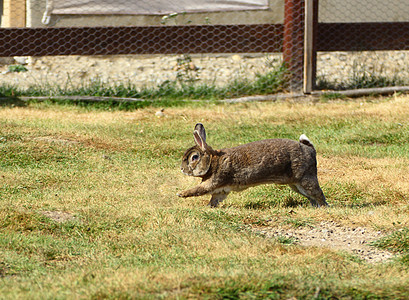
column 17, row 68
column 397, row 242
column 166, row 93
column 360, row 81
column 115, row 174
column 363, row 75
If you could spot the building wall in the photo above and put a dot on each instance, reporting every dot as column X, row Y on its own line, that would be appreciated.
column 274, row 15
column 355, row 11
column 15, row 14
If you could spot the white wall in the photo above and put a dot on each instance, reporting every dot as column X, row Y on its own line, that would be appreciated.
column 329, row 11
column 351, row 11
column 272, row 16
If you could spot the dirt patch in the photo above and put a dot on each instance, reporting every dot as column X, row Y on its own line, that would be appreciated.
column 58, row 216
column 329, row 234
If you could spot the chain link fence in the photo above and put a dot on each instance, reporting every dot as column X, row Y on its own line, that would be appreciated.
column 185, row 49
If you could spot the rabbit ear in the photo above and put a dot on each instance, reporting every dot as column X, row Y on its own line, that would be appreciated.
column 201, row 130
column 199, row 135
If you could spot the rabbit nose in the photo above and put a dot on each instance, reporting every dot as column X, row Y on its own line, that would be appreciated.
column 184, row 172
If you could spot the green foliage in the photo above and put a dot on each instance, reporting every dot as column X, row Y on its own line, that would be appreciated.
column 286, row 240
column 17, row 68
column 186, row 86
column 398, row 241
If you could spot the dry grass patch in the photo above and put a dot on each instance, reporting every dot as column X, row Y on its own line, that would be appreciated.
column 111, row 177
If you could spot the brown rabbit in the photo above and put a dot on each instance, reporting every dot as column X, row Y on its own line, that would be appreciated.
column 279, row 161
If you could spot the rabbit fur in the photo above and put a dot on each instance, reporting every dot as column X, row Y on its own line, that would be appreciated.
column 280, row 161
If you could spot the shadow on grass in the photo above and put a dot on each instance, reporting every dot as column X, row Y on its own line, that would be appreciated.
column 11, row 101
column 351, row 195
column 276, row 198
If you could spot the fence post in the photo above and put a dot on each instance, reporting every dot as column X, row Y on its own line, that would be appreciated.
column 293, row 41
column 310, row 36
column 14, row 13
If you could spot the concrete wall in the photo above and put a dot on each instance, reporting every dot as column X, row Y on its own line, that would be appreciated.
column 274, row 15
column 15, row 14
column 351, row 11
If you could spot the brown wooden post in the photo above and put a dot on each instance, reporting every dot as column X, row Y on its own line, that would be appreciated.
column 293, row 41
column 310, row 38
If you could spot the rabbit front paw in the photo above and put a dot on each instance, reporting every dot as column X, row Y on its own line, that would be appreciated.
column 182, row 194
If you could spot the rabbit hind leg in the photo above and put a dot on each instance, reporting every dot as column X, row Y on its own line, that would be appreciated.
column 296, row 188
column 217, row 198
column 310, row 188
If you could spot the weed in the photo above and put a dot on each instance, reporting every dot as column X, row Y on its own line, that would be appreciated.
column 331, row 96
column 285, row 240
column 186, row 71
column 17, row 68
column 186, row 86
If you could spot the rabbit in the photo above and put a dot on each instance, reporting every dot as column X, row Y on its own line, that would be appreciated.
column 279, row 161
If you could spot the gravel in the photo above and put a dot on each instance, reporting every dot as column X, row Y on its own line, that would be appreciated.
column 342, row 66
column 139, row 70
column 329, row 234
column 219, row 69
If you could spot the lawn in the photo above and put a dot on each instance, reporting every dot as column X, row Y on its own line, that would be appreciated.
column 88, row 205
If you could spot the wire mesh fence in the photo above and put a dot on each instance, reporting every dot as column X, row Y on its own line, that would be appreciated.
column 372, row 51
column 193, row 52
column 185, row 49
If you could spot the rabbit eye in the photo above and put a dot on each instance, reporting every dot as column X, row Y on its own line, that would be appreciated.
column 195, row 157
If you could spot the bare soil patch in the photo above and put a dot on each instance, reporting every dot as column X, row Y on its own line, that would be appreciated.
column 58, row 216
column 329, row 234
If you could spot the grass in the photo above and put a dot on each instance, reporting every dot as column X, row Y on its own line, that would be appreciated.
column 116, row 173
column 397, row 242
column 364, row 74
column 168, row 92
column 361, row 81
